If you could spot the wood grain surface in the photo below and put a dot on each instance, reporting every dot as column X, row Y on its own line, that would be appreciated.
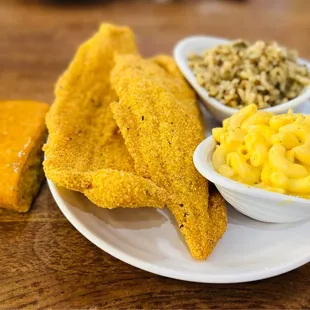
column 44, row 261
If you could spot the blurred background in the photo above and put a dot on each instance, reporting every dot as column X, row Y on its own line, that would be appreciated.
column 39, row 37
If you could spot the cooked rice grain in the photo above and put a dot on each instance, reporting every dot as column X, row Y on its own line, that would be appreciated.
column 239, row 74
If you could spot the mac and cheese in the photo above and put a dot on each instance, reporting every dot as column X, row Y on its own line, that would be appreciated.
column 265, row 150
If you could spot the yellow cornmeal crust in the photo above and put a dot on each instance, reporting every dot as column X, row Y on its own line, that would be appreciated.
column 159, row 120
column 22, row 134
column 217, row 212
column 85, row 151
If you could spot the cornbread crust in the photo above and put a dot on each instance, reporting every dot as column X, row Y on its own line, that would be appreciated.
column 22, row 134
column 32, row 176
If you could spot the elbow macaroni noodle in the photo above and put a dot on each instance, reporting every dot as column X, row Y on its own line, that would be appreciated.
column 265, row 150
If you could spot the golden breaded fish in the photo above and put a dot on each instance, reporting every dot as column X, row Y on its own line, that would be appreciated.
column 159, row 120
column 176, row 83
column 85, row 150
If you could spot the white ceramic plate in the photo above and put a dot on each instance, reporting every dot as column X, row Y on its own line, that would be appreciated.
column 149, row 239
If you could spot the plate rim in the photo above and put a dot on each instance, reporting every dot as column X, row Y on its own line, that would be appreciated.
column 165, row 272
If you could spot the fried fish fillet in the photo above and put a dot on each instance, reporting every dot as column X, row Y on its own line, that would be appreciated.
column 176, row 84
column 85, row 151
column 159, row 120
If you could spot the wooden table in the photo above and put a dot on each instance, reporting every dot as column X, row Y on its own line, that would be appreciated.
column 44, row 261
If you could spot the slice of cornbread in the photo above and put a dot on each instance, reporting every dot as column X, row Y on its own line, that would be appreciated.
column 22, row 134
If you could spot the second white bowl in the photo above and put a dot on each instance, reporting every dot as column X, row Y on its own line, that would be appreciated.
column 256, row 203
column 198, row 44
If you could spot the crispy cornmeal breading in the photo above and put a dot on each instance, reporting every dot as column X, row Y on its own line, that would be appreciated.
column 22, row 134
column 217, row 212
column 176, row 84
column 160, row 122
column 85, row 150
column 156, row 112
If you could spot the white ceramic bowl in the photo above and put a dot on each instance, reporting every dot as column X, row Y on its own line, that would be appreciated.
column 198, row 44
column 256, row 203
